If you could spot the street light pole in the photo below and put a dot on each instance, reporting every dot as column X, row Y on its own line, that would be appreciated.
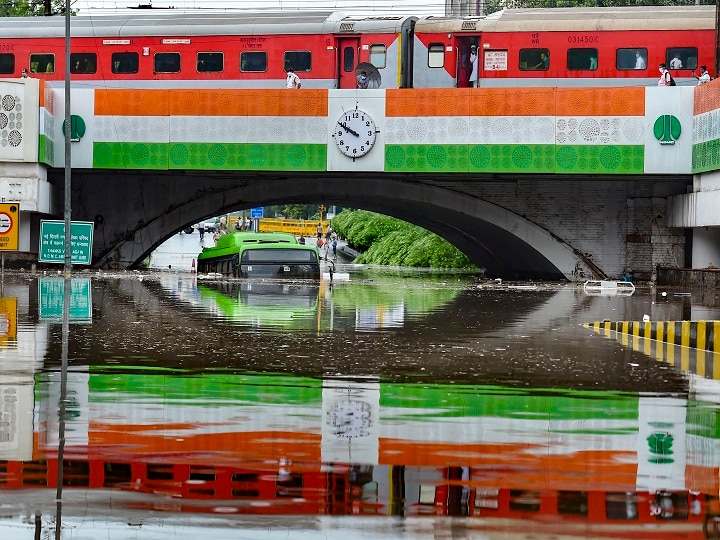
column 68, row 136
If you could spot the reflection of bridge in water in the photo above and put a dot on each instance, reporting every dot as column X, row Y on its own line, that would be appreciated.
column 366, row 447
column 528, row 182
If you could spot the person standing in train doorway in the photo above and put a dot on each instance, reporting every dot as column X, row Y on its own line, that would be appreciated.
column 473, row 66
column 293, row 81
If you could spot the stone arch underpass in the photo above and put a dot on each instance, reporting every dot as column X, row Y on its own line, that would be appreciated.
column 134, row 213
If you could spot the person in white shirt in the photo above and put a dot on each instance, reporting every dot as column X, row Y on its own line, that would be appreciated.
column 473, row 66
column 704, row 76
column 293, row 81
column 676, row 63
column 664, row 76
column 639, row 61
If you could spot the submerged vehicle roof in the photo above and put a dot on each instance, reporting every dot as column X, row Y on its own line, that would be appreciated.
column 235, row 241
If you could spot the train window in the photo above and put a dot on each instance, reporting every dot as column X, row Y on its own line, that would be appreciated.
column 297, row 60
column 573, row 502
column 253, row 61
column 125, row 62
column 524, row 501
column 7, row 63
column 378, row 56
column 582, row 59
column 621, row 505
column 42, row 63
column 83, row 63
column 436, row 55
column 167, row 62
column 681, row 58
column 534, row 59
column 210, row 62
column 348, row 59
column 631, row 59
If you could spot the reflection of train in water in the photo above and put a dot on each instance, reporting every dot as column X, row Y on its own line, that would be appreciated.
column 522, row 47
column 356, row 489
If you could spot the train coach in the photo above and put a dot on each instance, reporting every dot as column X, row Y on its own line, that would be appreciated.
column 515, row 47
column 565, row 47
column 243, row 50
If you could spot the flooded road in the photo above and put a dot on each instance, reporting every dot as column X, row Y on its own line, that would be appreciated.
column 383, row 404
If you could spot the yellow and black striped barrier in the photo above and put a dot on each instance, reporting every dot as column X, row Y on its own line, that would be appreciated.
column 690, row 345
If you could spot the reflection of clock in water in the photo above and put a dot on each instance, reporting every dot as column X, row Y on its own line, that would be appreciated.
column 349, row 419
column 355, row 133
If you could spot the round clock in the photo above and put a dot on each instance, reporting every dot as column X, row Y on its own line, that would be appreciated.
column 355, row 133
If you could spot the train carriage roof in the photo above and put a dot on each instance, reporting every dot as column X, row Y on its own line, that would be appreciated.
column 143, row 23
column 577, row 20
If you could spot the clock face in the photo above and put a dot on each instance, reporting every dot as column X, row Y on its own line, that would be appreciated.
column 355, row 133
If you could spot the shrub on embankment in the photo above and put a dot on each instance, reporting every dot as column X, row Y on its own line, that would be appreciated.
column 388, row 241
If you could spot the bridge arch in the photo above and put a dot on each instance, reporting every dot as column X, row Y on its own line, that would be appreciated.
column 158, row 205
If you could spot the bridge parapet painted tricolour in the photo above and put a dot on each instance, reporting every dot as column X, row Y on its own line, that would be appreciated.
column 603, row 131
column 706, row 128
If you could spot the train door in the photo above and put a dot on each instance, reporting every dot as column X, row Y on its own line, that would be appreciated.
column 463, row 48
column 349, row 49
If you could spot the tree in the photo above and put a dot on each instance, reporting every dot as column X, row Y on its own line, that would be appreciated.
column 31, row 8
column 294, row 211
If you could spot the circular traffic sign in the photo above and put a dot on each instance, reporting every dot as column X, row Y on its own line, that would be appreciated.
column 6, row 222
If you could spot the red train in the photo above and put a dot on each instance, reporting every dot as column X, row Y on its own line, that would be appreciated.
column 516, row 47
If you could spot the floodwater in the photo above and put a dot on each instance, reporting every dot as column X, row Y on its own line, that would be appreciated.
column 383, row 404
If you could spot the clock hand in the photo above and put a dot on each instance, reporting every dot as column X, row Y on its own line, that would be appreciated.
column 349, row 130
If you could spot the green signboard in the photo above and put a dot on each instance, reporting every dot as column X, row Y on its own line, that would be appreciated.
column 51, row 294
column 52, row 242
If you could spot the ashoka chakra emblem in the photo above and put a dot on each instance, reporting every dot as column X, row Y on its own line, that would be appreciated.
column 8, row 102
column 15, row 138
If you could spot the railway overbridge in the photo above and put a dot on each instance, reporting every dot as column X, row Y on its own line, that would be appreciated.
column 529, row 182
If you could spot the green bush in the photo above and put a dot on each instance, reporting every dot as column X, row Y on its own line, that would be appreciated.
column 388, row 241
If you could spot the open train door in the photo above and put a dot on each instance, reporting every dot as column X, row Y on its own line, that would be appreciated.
column 349, row 48
column 464, row 67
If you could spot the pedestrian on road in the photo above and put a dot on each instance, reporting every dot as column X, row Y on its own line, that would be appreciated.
column 319, row 231
column 201, row 230
column 334, row 246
